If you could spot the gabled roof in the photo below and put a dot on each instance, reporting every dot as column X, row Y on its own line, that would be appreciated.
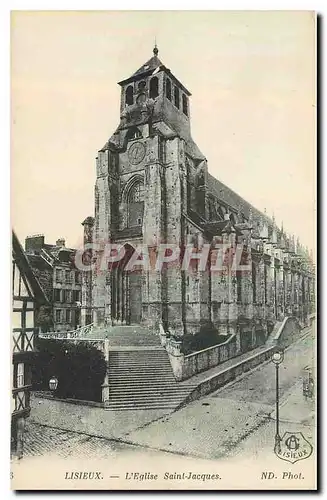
column 25, row 267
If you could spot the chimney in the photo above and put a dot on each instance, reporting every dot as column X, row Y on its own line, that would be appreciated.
column 34, row 243
column 60, row 242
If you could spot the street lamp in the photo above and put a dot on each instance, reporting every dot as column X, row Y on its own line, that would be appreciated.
column 53, row 383
column 277, row 358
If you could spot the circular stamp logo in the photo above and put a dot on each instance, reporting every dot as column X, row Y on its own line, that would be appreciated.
column 136, row 152
column 293, row 446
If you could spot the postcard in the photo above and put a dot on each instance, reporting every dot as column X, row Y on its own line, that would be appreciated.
column 164, row 250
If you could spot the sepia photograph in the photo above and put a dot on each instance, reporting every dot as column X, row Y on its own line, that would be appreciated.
column 163, row 217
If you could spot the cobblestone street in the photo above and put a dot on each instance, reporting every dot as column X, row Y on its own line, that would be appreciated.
column 41, row 440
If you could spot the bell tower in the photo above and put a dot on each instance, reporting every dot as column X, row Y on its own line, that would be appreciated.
column 142, row 193
column 154, row 94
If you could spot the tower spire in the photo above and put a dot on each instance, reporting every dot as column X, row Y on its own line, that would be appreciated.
column 155, row 50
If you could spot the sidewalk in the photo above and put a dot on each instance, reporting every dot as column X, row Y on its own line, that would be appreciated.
column 295, row 408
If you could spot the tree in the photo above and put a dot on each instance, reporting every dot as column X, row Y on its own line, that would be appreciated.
column 79, row 367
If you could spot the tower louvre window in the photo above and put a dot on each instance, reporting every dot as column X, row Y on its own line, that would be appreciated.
column 168, row 89
column 154, row 87
column 176, row 97
column 185, row 109
column 129, row 99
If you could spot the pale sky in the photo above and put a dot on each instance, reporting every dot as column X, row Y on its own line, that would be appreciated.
column 252, row 79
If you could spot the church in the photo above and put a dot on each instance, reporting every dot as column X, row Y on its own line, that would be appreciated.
column 153, row 188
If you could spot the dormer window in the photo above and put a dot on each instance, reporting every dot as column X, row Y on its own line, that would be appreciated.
column 133, row 133
column 154, row 87
column 185, row 110
column 176, row 97
column 129, row 98
column 168, row 89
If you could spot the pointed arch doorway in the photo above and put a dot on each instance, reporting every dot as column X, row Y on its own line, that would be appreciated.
column 126, row 291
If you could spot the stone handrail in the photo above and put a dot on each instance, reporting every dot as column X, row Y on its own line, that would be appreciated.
column 286, row 332
column 185, row 366
column 78, row 333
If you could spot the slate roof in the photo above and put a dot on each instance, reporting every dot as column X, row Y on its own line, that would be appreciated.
column 43, row 271
column 234, row 200
column 148, row 67
column 151, row 64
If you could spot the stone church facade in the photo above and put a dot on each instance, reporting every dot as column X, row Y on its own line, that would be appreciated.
column 153, row 188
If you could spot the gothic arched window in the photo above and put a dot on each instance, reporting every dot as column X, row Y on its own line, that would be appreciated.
column 154, row 87
column 136, row 204
column 168, row 89
column 129, row 98
column 185, row 110
column 176, row 97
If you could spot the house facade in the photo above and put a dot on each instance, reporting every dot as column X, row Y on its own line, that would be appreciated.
column 27, row 298
column 152, row 189
column 54, row 265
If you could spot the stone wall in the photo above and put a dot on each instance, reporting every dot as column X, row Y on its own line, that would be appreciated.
column 184, row 367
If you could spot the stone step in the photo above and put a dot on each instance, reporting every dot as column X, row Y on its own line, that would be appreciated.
column 137, row 366
column 144, row 401
column 155, row 398
column 146, row 389
column 155, row 354
column 141, row 380
column 137, row 362
column 141, row 376
column 140, row 369
column 123, row 407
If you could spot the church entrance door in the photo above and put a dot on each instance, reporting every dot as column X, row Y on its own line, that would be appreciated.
column 135, row 297
column 126, row 292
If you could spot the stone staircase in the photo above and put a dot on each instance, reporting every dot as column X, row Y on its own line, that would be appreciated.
column 142, row 379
